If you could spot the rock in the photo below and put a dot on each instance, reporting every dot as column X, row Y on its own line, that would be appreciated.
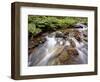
column 79, row 25
column 77, row 35
column 59, row 34
column 72, row 43
column 61, row 59
column 72, row 51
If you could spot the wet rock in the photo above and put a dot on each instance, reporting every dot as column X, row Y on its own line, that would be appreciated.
column 85, row 35
column 77, row 35
column 72, row 43
column 59, row 34
column 72, row 51
column 61, row 59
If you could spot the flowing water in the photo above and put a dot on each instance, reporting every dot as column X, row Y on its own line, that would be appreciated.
column 80, row 47
column 45, row 52
column 53, row 46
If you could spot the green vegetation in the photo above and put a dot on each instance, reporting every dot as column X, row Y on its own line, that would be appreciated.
column 38, row 24
column 32, row 29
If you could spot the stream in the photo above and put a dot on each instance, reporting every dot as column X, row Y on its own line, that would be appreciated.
column 47, row 52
